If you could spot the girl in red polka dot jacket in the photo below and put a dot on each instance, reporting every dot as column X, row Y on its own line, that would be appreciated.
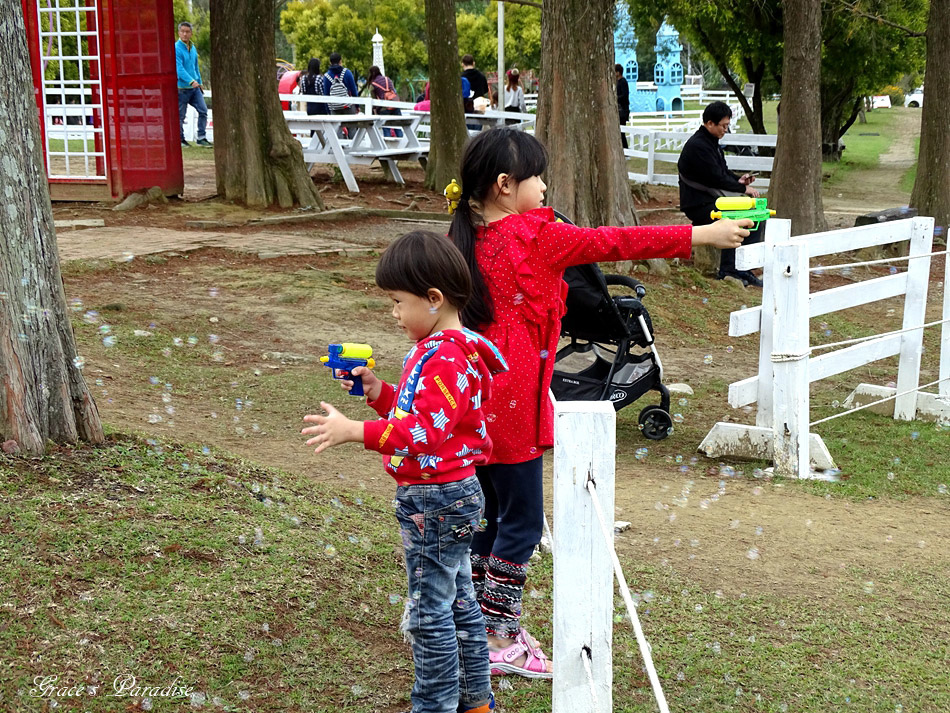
column 517, row 253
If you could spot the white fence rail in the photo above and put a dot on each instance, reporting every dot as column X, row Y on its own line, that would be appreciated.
column 787, row 364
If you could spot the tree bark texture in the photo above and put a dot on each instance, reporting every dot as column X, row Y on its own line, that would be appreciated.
column 42, row 394
column 796, row 181
column 257, row 160
column 577, row 114
column 931, row 194
column 445, row 91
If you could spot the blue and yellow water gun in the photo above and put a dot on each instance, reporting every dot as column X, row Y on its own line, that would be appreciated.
column 343, row 358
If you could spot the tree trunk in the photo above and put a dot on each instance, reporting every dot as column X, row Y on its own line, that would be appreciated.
column 577, row 114
column 257, row 160
column 42, row 394
column 931, row 194
column 449, row 134
column 796, row 181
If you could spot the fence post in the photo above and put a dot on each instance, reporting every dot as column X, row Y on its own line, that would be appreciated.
column 915, row 314
column 584, row 448
column 651, row 156
column 777, row 231
column 790, row 398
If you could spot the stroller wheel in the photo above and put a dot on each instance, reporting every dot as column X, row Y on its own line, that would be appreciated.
column 655, row 423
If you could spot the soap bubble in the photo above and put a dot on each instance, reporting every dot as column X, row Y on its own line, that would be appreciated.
column 683, row 402
column 678, row 418
column 109, row 341
column 707, row 359
column 91, row 317
column 730, row 349
column 753, row 553
column 79, row 362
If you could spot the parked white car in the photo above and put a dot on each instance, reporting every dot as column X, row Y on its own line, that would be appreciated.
column 915, row 99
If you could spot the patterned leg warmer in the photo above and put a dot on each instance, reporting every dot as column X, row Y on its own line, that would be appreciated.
column 479, row 570
column 501, row 598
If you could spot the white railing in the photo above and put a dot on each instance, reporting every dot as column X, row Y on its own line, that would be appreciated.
column 665, row 146
column 585, row 562
column 788, row 363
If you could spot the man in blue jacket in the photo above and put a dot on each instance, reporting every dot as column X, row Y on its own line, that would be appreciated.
column 339, row 82
column 189, row 84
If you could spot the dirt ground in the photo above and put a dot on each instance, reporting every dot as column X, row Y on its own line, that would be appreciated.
column 701, row 524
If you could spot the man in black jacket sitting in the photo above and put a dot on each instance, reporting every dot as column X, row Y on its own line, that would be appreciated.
column 703, row 177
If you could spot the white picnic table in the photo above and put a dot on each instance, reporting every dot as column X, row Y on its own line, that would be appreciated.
column 365, row 142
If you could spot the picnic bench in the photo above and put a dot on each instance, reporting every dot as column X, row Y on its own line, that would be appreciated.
column 364, row 143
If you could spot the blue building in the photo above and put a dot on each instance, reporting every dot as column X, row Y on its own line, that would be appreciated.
column 667, row 74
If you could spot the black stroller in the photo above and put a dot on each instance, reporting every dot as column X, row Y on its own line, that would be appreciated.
column 609, row 327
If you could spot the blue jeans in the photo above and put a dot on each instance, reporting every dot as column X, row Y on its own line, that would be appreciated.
column 194, row 97
column 443, row 620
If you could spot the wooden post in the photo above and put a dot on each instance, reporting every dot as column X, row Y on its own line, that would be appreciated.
column 584, row 448
column 915, row 314
column 790, row 398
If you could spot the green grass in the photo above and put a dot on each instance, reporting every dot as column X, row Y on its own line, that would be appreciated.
column 910, row 177
column 865, row 144
column 266, row 592
column 161, row 561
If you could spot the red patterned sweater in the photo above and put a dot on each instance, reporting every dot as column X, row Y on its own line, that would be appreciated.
column 432, row 428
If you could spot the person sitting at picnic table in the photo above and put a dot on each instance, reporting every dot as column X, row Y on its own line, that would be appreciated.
column 382, row 88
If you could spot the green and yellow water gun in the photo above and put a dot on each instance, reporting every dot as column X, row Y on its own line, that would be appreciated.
column 742, row 207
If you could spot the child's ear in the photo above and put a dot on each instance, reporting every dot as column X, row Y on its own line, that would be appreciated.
column 435, row 297
column 503, row 182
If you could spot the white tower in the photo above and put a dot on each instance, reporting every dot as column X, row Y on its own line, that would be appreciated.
column 378, row 52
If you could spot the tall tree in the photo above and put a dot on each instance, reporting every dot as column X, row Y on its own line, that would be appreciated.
column 257, row 160
column 577, row 114
column 796, row 181
column 43, row 396
column 448, row 115
column 931, row 194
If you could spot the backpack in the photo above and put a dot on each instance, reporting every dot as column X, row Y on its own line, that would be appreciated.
column 388, row 94
column 338, row 89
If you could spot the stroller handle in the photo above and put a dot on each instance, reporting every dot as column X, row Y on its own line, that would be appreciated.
column 626, row 281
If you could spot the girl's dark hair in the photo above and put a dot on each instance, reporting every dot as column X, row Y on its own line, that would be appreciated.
column 418, row 261
column 373, row 73
column 313, row 67
column 490, row 153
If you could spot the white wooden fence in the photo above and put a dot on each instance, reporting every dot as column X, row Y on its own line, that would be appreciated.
column 787, row 360
column 664, row 146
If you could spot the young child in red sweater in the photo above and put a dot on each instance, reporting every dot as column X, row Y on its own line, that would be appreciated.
column 517, row 252
column 432, row 433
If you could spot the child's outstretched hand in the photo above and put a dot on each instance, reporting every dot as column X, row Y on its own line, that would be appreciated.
column 723, row 233
column 371, row 383
column 332, row 429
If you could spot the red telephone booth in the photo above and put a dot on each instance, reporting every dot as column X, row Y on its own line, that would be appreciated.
column 106, row 90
